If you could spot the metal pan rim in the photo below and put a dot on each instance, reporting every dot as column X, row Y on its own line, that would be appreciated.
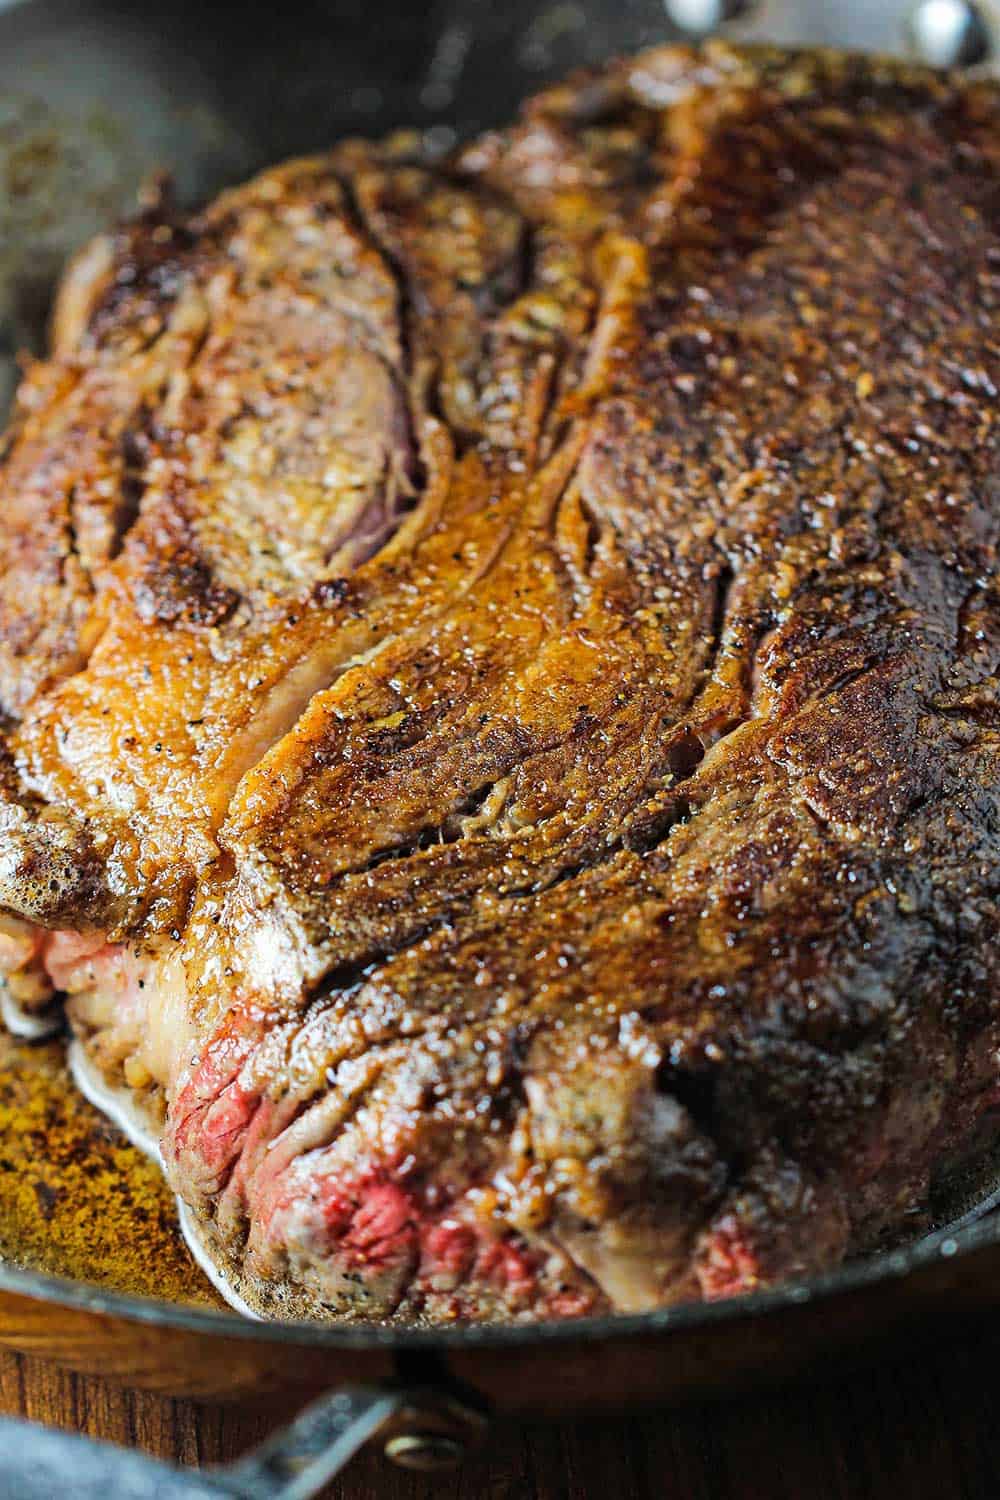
column 858, row 1275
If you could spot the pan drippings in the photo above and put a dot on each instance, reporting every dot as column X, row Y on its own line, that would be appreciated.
column 76, row 1199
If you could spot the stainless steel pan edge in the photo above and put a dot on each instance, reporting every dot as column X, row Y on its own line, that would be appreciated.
column 949, row 1247
column 434, row 65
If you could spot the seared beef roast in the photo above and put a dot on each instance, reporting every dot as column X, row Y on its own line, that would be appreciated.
column 499, row 660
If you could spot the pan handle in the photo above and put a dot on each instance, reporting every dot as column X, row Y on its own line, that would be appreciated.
column 426, row 1429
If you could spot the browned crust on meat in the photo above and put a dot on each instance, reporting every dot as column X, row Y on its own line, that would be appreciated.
column 627, row 803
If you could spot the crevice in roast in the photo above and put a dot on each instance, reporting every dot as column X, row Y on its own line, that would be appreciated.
column 135, row 456
column 73, row 548
column 405, row 308
column 466, row 819
column 696, row 1088
column 725, row 579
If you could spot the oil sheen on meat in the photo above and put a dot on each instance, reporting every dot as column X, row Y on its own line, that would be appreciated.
column 499, row 681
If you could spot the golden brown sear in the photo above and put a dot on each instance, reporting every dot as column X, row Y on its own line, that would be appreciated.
column 499, row 659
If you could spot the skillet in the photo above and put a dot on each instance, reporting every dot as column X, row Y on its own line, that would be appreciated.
column 94, row 95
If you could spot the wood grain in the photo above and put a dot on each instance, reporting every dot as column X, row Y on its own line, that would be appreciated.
column 924, row 1430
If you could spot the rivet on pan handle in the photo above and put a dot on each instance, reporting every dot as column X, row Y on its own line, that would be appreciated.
column 425, row 1428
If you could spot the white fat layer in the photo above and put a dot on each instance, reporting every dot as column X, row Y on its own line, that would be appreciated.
column 29, row 1025
column 195, row 1242
column 118, row 1104
column 166, row 1026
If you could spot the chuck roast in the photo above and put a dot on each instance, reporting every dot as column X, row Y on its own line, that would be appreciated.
column 499, row 668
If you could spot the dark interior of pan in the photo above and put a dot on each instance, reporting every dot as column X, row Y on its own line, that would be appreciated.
column 95, row 97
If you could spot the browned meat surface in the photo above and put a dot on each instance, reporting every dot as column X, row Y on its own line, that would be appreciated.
column 499, row 659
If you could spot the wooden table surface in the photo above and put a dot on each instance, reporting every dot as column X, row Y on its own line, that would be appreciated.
column 928, row 1429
